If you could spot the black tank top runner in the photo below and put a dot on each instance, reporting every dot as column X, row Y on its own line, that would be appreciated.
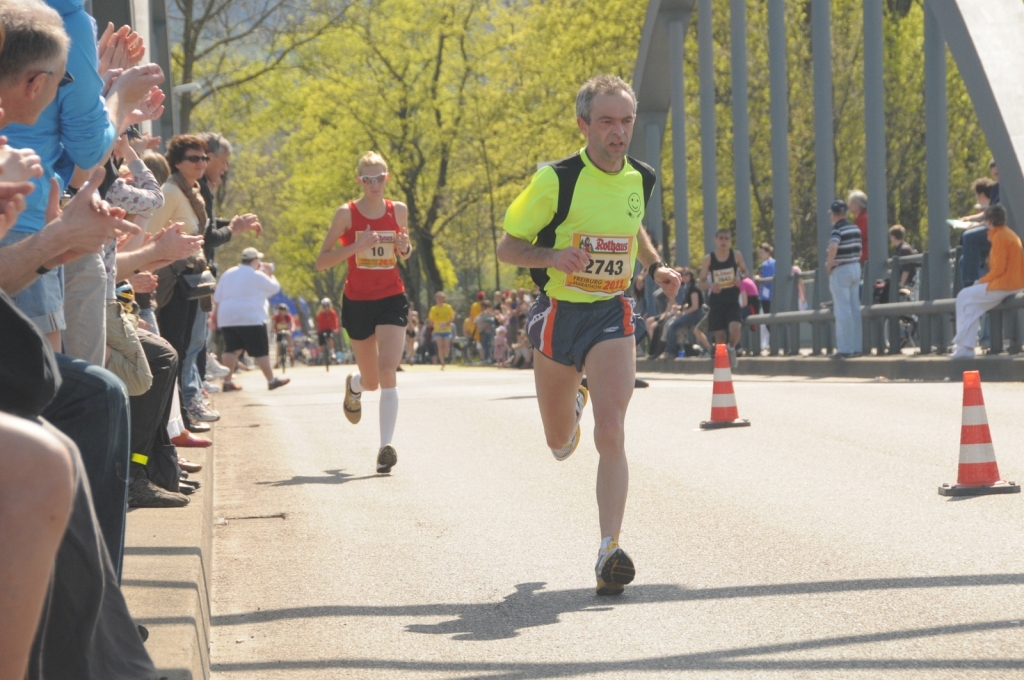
column 725, row 274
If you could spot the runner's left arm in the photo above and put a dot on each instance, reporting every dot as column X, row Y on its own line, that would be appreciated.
column 666, row 277
column 403, row 244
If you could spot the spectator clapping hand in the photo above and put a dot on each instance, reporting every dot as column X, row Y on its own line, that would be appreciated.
column 19, row 165
column 151, row 107
column 247, row 222
column 86, row 223
column 119, row 49
column 173, row 245
column 143, row 282
column 12, row 202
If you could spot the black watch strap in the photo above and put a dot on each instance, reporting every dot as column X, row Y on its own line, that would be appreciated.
column 42, row 270
column 653, row 268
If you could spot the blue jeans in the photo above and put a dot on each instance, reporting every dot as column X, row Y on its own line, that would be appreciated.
column 685, row 321
column 844, row 282
column 191, row 381
column 487, row 344
column 91, row 408
column 976, row 247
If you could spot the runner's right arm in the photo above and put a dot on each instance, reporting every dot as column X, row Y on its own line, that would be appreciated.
column 329, row 257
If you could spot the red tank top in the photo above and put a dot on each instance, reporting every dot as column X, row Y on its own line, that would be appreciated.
column 373, row 274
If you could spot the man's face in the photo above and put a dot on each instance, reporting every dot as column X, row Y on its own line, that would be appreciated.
column 994, row 171
column 218, row 167
column 611, row 126
column 981, row 199
column 854, row 209
column 723, row 241
column 439, row 298
column 763, row 254
column 36, row 89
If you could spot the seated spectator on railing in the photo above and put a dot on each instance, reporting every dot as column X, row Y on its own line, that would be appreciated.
column 1005, row 277
column 690, row 313
column 975, row 242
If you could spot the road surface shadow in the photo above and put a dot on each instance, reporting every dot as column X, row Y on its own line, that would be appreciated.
column 330, row 477
column 531, row 606
column 737, row 659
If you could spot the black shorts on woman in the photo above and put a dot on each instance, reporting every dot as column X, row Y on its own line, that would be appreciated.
column 360, row 318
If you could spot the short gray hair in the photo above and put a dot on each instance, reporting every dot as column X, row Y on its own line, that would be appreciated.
column 216, row 143
column 859, row 197
column 603, row 84
column 33, row 34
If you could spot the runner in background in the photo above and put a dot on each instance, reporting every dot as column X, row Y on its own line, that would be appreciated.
column 327, row 326
column 370, row 234
column 720, row 275
column 442, row 315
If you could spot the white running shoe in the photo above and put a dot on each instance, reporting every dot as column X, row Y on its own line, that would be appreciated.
column 582, row 397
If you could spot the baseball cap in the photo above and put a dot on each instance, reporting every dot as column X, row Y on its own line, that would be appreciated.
column 838, row 206
column 251, row 254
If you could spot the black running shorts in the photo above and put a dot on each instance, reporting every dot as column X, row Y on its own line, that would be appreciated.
column 722, row 314
column 253, row 339
column 360, row 318
column 566, row 331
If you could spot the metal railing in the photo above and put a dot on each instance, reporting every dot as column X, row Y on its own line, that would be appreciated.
column 935, row 319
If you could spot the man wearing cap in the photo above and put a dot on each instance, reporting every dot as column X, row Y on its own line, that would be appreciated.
column 240, row 311
column 844, row 250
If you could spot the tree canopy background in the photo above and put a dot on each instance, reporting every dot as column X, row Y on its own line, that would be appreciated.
column 464, row 98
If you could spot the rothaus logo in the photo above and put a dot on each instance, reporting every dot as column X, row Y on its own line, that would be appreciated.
column 386, row 237
column 604, row 245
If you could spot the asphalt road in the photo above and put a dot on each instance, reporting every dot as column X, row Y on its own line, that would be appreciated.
column 813, row 544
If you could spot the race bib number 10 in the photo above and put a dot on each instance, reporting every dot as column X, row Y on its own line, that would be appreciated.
column 611, row 264
column 381, row 255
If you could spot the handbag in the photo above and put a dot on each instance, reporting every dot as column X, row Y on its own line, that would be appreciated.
column 196, row 286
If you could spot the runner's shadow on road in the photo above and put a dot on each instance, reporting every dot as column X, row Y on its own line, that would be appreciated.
column 330, row 477
column 530, row 606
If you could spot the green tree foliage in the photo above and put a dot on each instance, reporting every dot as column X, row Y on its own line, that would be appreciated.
column 465, row 97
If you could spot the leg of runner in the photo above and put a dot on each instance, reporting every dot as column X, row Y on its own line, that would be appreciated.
column 390, row 342
column 365, row 352
column 611, row 371
column 557, row 387
column 230, row 361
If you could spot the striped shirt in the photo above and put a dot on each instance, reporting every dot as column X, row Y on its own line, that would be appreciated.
column 847, row 235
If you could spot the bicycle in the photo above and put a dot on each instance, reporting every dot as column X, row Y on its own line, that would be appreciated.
column 326, row 342
column 283, row 347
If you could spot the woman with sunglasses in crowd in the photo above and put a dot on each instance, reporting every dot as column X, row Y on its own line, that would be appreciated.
column 371, row 233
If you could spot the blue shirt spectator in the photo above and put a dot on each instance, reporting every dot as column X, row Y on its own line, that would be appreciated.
column 76, row 124
column 767, row 271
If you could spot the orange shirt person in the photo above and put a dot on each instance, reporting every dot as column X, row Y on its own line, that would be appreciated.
column 1005, row 277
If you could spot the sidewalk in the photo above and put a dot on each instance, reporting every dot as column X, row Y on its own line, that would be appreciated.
column 168, row 553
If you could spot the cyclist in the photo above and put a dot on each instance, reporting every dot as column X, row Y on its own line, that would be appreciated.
column 581, row 257
column 372, row 233
column 326, row 326
column 283, row 324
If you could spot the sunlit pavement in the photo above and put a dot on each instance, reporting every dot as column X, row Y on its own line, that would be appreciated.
column 812, row 544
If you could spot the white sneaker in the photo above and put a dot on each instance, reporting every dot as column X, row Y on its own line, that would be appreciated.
column 962, row 353
column 210, row 387
column 214, row 369
column 201, row 412
column 582, row 397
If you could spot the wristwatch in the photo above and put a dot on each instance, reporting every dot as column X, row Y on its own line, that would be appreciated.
column 653, row 268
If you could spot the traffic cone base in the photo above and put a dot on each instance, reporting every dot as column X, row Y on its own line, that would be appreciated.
column 723, row 401
column 981, row 490
column 978, row 473
column 718, row 425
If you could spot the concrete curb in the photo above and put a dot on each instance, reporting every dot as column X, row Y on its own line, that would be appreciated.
column 166, row 579
column 1000, row 368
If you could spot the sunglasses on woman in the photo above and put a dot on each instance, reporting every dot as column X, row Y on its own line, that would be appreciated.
column 197, row 159
column 373, row 179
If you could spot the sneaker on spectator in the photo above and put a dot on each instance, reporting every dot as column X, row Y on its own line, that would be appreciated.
column 193, row 425
column 200, row 412
column 215, row 369
column 143, row 493
column 211, row 388
column 278, row 382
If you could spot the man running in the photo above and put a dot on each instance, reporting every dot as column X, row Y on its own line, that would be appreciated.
column 372, row 233
column 442, row 315
column 595, row 198
column 718, row 274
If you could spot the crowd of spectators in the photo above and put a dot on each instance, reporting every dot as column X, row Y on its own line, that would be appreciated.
column 106, row 283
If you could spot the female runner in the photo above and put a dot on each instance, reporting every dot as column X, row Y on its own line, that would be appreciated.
column 372, row 233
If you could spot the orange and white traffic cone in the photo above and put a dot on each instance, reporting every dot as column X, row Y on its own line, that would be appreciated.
column 723, row 399
column 978, row 474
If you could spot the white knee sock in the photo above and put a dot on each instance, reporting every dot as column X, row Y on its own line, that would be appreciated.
column 357, row 386
column 388, row 414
